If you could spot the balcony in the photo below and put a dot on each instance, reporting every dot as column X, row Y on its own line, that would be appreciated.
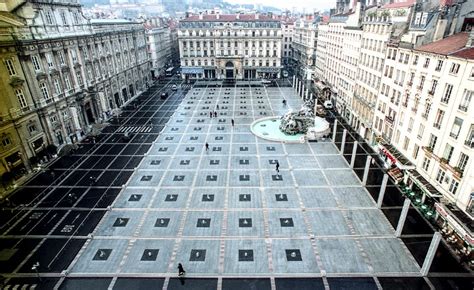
column 410, row 84
column 463, row 108
column 389, row 119
column 469, row 143
column 431, row 93
column 453, row 135
column 424, row 116
column 437, row 125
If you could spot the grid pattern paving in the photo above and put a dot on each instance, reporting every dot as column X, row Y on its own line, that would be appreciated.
column 226, row 212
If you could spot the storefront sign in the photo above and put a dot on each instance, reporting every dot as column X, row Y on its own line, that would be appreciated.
column 441, row 210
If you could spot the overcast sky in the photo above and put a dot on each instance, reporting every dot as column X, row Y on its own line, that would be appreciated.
column 308, row 5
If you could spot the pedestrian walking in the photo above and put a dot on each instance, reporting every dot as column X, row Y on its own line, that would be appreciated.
column 210, row 114
column 181, row 271
column 232, row 122
column 217, row 107
column 215, row 114
column 277, row 167
column 207, row 146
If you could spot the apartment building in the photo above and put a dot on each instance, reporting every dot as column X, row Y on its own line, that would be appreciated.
column 69, row 73
column 287, row 28
column 430, row 117
column 158, row 39
column 304, row 47
column 236, row 46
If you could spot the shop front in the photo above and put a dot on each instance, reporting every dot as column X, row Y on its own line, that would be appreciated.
column 190, row 73
column 268, row 72
column 395, row 162
column 456, row 228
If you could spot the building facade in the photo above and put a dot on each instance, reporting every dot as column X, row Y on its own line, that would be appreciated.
column 239, row 46
column 158, row 38
column 69, row 72
column 304, row 47
column 287, row 28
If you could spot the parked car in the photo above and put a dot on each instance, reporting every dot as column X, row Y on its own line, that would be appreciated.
column 164, row 95
column 174, row 87
column 266, row 82
column 285, row 74
column 328, row 105
column 127, row 136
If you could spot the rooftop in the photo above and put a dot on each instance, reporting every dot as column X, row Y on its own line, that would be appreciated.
column 400, row 4
column 229, row 17
column 451, row 45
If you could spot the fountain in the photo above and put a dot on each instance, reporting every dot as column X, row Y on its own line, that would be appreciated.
column 293, row 126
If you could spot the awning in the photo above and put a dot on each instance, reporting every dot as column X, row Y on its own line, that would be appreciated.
column 321, row 86
column 396, row 157
column 424, row 184
column 458, row 220
column 192, row 70
column 269, row 70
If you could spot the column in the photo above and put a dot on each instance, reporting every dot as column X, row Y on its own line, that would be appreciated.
column 307, row 94
column 302, row 91
column 431, row 254
column 366, row 170
column 403, row 216
column 382, row 190
column 344, row 133
column 354, row 153
column 334, row 131
column 294, row 81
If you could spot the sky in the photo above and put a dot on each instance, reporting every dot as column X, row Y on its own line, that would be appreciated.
column 308, row 5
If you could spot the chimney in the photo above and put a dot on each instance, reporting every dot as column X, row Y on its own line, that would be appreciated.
column 200, row 15
column 256, row 15
column 217, row 14
column 237, row 16
column 470, row 40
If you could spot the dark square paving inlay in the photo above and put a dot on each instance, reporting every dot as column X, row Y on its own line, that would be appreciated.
column 244, row 177
column 217, row 149
column 272, row 161
column 203, row 223
column 162, row 222
column 102, row 254
column 277, row 177
column 286, row 222
column 155, row 162
column 193, row 138
column 211, row 178
column 146, row 177
column 178, row 178
column 245, row 197
column 245, row 255
column 171, row 197
column 281, row 197
column 218, row 138
column 121, row 222
column 184, row 162
column 293, row 255
column 197, row 255
column 244, row 162
column 214, row 162
column 135, row 197
column 245, row 223
column 150, row 255
column 207, row 197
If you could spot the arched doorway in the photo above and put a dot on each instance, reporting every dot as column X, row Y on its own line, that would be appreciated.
column 229, row 70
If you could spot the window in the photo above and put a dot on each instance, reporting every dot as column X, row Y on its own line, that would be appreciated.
column 447, row 93
column 57, row 86
column 49, row 60
column 422, row 82
column 63, row 18
column 448, row 152
column 426, row 164
column 456, row 128
column 53, row 119
column 10, row 67
column 463, row 159
column 36, row 62
column 406, row 143
column 415, row 60
column 44, row 91
column 61, row 58
column 49, row 17
column 454, row 68
column 433, row 140
column 73, row 55
column 466, row 100
column 421, row 129
column 453, row 187
column 21, row 98
column 434, row 84
column 440, row 176
column 427, row 63
column 415, row 151
column 410, row 124
column 439, row 65
column 6, row 141
column 439, row 119
column 79, row 77
column 32, row 128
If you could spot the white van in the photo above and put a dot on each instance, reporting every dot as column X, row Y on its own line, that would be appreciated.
column 327, row 105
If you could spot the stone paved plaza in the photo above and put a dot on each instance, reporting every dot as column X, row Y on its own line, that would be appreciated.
column 226, row 212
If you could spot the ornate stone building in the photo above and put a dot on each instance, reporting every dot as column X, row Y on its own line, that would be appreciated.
column 230, row 46
column 66, row 74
